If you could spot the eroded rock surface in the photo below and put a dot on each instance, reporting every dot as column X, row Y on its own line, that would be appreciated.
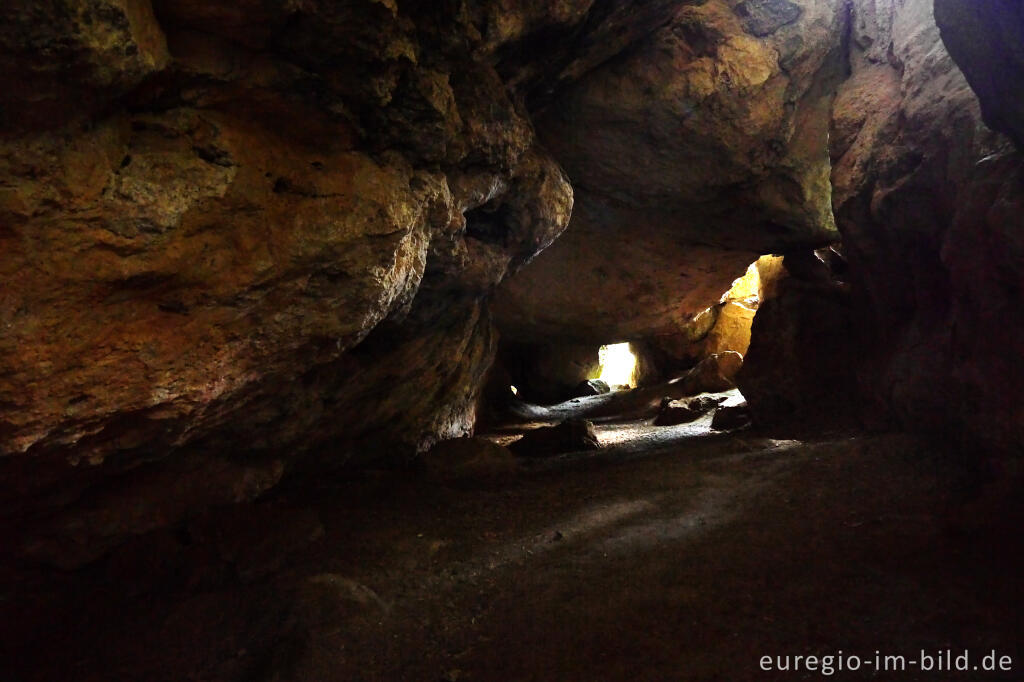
column 916, row 172
column 702, row 148
column 241, row 240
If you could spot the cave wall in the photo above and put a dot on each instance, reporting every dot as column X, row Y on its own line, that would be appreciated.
column 986, row 39
column 247, row 239
column 252, row 239
column 925, row 197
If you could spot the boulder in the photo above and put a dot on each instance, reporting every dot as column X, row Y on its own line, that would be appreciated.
column 686, row 410
column 592, row 387
column 573, row 435
column 731, row 417
column 714, row 374
column 675, row 412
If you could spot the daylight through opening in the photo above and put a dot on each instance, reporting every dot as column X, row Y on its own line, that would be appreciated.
column 618, row 366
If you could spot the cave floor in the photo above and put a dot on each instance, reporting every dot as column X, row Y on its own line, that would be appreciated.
column 686, row 560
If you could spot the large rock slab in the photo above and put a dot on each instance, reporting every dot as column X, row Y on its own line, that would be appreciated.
column 701, row 149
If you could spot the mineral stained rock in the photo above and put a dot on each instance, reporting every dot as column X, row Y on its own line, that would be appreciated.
column 245, row 239
column 702, row 148
column 927, row 199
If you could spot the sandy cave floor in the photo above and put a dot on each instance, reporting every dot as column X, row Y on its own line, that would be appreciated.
column 685, row 555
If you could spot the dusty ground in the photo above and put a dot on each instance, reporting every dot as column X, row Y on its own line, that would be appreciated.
column 676, row 558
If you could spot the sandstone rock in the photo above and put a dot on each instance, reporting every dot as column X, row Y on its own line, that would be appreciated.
column 714, row 374
column 807, row 266
column 732, row 329
column 798, row 370
column 724, row 326
column 676, row 412
column 734, row 315
column 764, row 17
column 699, row 151
column 908, row 138
column 983, row 251
column 731, row 417
column 244, row 239
column 705, row 403
column 165, row 278
column 189, row 281
column 61, row 60
column 573, row 435
column 683, row 411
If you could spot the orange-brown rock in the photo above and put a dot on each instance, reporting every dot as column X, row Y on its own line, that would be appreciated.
column 62, row 58
column 724, row 326
column 713, row 374
column 702, row 148
column 242, row 240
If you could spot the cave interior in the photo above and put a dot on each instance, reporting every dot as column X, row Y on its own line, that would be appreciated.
column 511, row 340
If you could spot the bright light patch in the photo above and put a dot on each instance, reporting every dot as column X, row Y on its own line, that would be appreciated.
column 618, row 365
column 746, row 288
column 515, row 391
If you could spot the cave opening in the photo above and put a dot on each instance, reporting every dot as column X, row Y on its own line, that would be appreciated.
column 617, row 366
